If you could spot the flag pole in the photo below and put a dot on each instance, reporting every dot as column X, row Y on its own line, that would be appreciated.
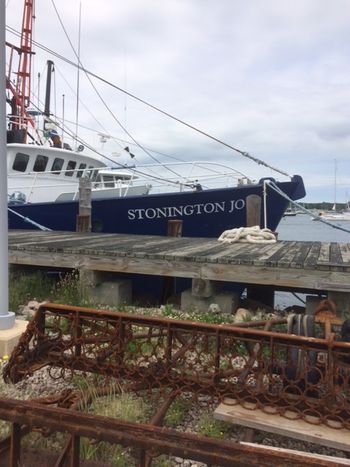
column 7, row 318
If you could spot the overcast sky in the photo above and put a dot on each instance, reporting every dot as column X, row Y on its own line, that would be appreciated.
column 270, row 77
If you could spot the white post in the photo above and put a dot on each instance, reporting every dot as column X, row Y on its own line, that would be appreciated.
column 7, row 319
column 265, row 203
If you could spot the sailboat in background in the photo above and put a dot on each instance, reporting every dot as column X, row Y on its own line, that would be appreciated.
column 333, row 215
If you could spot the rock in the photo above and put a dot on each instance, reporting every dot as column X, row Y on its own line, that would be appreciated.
column 242, row 314
column 214, row 308
column 33, row 304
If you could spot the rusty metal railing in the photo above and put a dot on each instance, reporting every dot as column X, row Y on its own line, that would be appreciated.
column 256, row 365
column 294, row 376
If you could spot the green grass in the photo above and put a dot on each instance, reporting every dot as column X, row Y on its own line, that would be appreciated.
column 209, row 426
column 26, row 287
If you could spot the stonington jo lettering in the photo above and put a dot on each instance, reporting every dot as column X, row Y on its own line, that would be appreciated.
column 186, row 210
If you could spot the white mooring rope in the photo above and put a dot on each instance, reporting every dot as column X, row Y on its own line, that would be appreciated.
column 248, row 235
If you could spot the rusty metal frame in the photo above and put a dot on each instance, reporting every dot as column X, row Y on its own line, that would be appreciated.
column 276, row 372
column 142, row 437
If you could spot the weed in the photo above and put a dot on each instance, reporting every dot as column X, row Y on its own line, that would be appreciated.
column 168, row 310
column 116, row 404
column 176, row 412
column 69, row 291
column 208, row 426
column 25, row 287
column 162, row 461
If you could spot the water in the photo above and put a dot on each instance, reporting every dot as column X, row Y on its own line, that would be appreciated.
column 302, row 227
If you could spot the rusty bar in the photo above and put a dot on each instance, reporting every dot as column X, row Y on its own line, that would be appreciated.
column 75, row 451
column 15, row 449
column 157, row 420
column 165, row 441
column 188, row 325
column 64, row 456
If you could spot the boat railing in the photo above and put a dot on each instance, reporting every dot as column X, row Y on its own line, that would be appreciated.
column 182, row 176
column 186, row 175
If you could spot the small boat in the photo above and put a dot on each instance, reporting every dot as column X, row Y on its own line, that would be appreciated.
column 333, row 216
column 44, row 174
column 289, row 212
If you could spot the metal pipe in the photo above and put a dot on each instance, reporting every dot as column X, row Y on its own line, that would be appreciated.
column 48, row 88
column 7, row 319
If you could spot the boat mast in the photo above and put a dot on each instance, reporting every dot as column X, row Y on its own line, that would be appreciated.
column 21, row 90
column 335, row 186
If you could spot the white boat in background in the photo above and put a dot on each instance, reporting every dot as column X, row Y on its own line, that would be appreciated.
column 333, row 216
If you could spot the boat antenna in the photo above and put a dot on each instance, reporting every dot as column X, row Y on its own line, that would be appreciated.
column 63, row 115
column 78, row 82
column 335, row 185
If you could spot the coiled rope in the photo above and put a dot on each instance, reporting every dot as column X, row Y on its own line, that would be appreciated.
column 248, row 235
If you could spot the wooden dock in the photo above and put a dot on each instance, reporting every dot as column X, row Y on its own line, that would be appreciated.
column 313, row 266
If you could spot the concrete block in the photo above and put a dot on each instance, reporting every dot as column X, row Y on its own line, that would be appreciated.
column 228, row 302
column 9, row 337
column 111, row 293
column 205, row 288
column 311, row 303
column 341, row 301
column 89, row 278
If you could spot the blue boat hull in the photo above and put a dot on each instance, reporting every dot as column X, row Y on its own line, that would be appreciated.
column 204, row 213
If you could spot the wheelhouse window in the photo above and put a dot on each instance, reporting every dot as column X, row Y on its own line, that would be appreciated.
column 21, row 162
column 57, row 165
column 80, row 172
column 108, row 181
column 70, row 168
column 40, row 163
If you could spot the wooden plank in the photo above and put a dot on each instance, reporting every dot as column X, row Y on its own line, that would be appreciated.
column 226, row 252
column 289, row 255
column 299, row 258
column 266, row 255
column 324, row 252
column 335, row 254
column 312, row 256
column 278, row 256
column 274, row 423
column 332, row 461
column 345, row 252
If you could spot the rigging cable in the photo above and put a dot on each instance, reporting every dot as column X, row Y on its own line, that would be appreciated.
column 80, row 67
column 274, row 187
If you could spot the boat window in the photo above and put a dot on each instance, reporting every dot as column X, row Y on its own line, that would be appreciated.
column 21, row 162
column 70, row 167
column 108, row 181
column 57, row 165
column 80, row 172
column 40, row 163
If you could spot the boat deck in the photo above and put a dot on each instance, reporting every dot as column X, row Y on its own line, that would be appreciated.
column 297, row 265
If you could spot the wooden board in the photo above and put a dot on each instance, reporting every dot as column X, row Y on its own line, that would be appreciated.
column 298, row 429
column 294, row 265
column 332, row 461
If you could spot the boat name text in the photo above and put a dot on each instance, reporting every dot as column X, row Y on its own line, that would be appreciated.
column 186, row 210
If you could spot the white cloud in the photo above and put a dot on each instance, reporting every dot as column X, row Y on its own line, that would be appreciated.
column 272, row 77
